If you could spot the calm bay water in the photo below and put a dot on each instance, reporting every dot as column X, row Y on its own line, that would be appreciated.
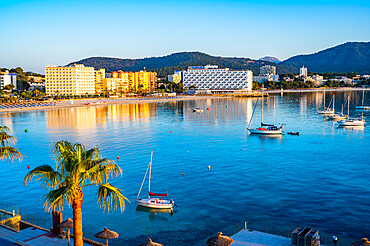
column 318, row 179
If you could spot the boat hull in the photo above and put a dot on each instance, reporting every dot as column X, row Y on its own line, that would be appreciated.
column 265, row 132
column 351, row 123
column 362, row 107
column 336, row 117
column 326, row 112
column 155, row 204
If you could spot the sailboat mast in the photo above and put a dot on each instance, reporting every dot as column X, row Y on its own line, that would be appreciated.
column 348, row 105
column 363, row 96
column 262, row 108
column 324, row 98
column 333, row 101
column 150, row 168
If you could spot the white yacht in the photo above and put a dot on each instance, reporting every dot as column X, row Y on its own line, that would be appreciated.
column 350, row 121
column 363, row 107
column 325, row 110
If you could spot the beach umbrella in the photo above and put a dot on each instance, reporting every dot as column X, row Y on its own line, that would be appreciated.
column 150, row 243
column 67, row 224
column 107, row 234
column 219, row 240
column 363, row 242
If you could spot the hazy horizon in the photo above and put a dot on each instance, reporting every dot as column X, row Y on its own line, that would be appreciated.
column 39, row 33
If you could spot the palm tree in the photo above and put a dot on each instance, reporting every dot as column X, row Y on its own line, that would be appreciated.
column 77, row 168
column 7, row 151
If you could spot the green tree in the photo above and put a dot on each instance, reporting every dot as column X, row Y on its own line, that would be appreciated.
column 6, row 150
column 77, row 168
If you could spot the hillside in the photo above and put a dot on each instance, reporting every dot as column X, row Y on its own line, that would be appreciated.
column 348, row 57
column 270, row 59
column 178, row 61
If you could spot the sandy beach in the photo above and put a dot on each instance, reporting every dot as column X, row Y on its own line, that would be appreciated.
column 91, row 102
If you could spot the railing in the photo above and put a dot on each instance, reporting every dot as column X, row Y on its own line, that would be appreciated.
column 40, row 220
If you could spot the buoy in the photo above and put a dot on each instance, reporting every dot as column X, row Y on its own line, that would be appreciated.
column 284, row 174
column 118, row 157
column 26, row 130
column 291, row 101
column 209, row 167
column 182, row 174
column 28, row 167
column 241, row 149
column 170, row 131
column 226, row 106
column 208, row 109
column 233, row 125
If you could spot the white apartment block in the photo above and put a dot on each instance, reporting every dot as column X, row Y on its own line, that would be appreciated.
column 7, row 78
column 72, row 80
column 217, row 79
column 303, row 71
column 267, row 70
column 319, row 80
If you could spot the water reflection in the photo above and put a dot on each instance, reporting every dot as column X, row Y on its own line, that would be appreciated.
column 89, row 117
column 352, row 128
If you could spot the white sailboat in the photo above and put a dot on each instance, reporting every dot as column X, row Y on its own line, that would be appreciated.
column 327, row 110
column 337, row 116
column 351, row 121
column 265, row 129
column 153, row 201
column 363, row 107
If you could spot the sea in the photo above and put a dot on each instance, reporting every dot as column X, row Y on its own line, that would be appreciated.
column 319, row 179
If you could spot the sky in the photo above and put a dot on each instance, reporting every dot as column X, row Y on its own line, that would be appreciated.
column 36, row 33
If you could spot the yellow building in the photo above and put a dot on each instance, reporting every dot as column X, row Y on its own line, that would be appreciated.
column 72, row 80
column 139, row 81
column 99, row 81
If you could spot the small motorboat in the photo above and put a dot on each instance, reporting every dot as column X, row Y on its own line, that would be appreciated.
column 198, row 110
column 293, row 133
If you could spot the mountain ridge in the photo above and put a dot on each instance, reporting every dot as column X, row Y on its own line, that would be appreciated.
column 347, row 57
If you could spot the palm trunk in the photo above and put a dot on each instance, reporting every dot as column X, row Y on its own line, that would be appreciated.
column 77, row 222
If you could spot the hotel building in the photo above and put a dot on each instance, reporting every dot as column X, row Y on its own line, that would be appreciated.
column 7, row 78
column 303, row 71
column 72, row 80
column 267, row 70
column 216, row 79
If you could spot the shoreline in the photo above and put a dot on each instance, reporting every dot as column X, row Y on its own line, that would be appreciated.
column 66, row 103
column 316, row 90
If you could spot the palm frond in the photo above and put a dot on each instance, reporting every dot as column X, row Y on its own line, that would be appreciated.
column 4, row 129
column 45, row 174
column 6, row 139
column 8, row 152
column 56, row 198
column 109, row 197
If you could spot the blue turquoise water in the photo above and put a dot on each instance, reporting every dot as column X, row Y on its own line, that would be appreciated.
column 318, row 179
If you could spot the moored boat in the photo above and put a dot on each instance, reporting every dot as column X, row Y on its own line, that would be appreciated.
column 265, row 129
column 350, row 121
column 154, row 200
column 198, row 110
